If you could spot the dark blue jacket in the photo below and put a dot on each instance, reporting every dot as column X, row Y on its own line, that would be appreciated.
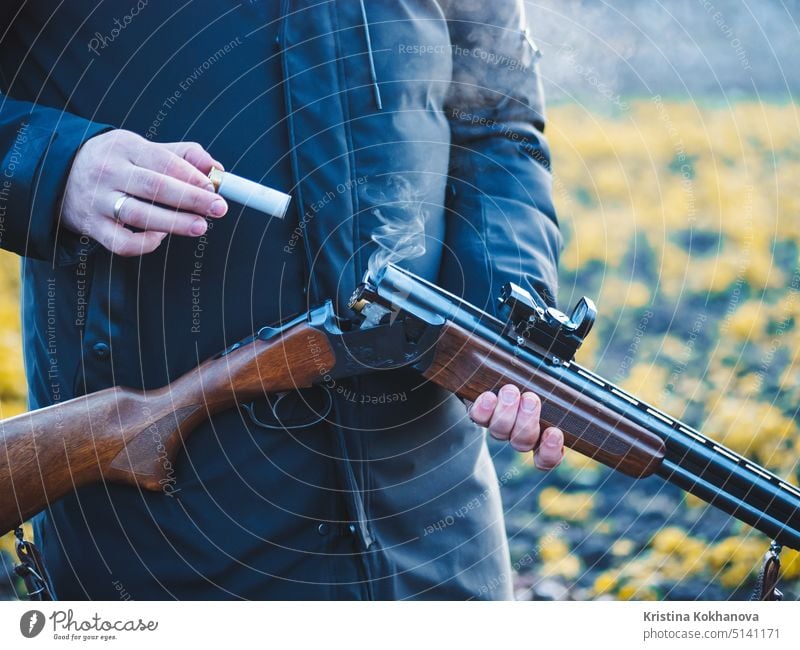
column 419, row 112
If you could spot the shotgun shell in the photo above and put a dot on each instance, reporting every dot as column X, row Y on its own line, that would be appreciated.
column 250, row 194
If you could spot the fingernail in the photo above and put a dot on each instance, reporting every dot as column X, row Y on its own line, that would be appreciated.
column 508, row 395
column 218, row 208
column 528, row 404
column 552, row 440
column 199, row 227
column 487, row 402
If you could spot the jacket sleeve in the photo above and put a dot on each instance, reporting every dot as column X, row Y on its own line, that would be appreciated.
column 501, row 223
column 37, row 147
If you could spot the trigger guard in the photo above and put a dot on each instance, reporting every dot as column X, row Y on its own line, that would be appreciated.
column 250, row 409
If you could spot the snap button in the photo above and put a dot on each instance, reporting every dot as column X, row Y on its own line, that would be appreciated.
column 101, row 349
column 323, row 528
column 352, row 529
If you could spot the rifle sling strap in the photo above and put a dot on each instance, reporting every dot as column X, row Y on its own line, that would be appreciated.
column 767, row 583
column 32, row 570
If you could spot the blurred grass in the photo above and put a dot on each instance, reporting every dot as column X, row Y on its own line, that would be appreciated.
column 682, row 221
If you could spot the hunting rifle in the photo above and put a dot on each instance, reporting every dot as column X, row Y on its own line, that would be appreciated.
column 399, row 320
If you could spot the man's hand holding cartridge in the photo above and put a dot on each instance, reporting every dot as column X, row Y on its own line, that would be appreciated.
column 128, row 193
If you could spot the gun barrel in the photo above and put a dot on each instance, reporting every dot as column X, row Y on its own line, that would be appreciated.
column 774, row 517
column 691, row 461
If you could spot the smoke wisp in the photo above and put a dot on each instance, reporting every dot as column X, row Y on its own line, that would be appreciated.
column 401, row 233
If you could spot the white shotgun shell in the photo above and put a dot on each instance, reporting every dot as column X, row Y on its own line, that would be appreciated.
column 250, row 194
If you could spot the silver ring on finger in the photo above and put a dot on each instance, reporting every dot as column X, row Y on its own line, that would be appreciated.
column 118, row 205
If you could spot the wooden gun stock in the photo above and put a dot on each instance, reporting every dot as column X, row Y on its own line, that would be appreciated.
column 468, row 366
column 129, row 436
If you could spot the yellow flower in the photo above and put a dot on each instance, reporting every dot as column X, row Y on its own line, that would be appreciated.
column 790, row 564
column 647, row 382
column 668, row 540
column 575, row 506
column 553, row 549
column 605, row 582
column 692, row 501
column 622, row 547
column 637, row 591
column 568, row 567
column 736, row 557
column 748, row 320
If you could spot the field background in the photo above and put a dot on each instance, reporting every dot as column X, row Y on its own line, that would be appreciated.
column 675, row 131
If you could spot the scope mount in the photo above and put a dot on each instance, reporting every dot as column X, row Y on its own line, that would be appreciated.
column 533, row 324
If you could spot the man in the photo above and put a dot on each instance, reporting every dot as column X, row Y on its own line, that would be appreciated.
column 419, row 114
